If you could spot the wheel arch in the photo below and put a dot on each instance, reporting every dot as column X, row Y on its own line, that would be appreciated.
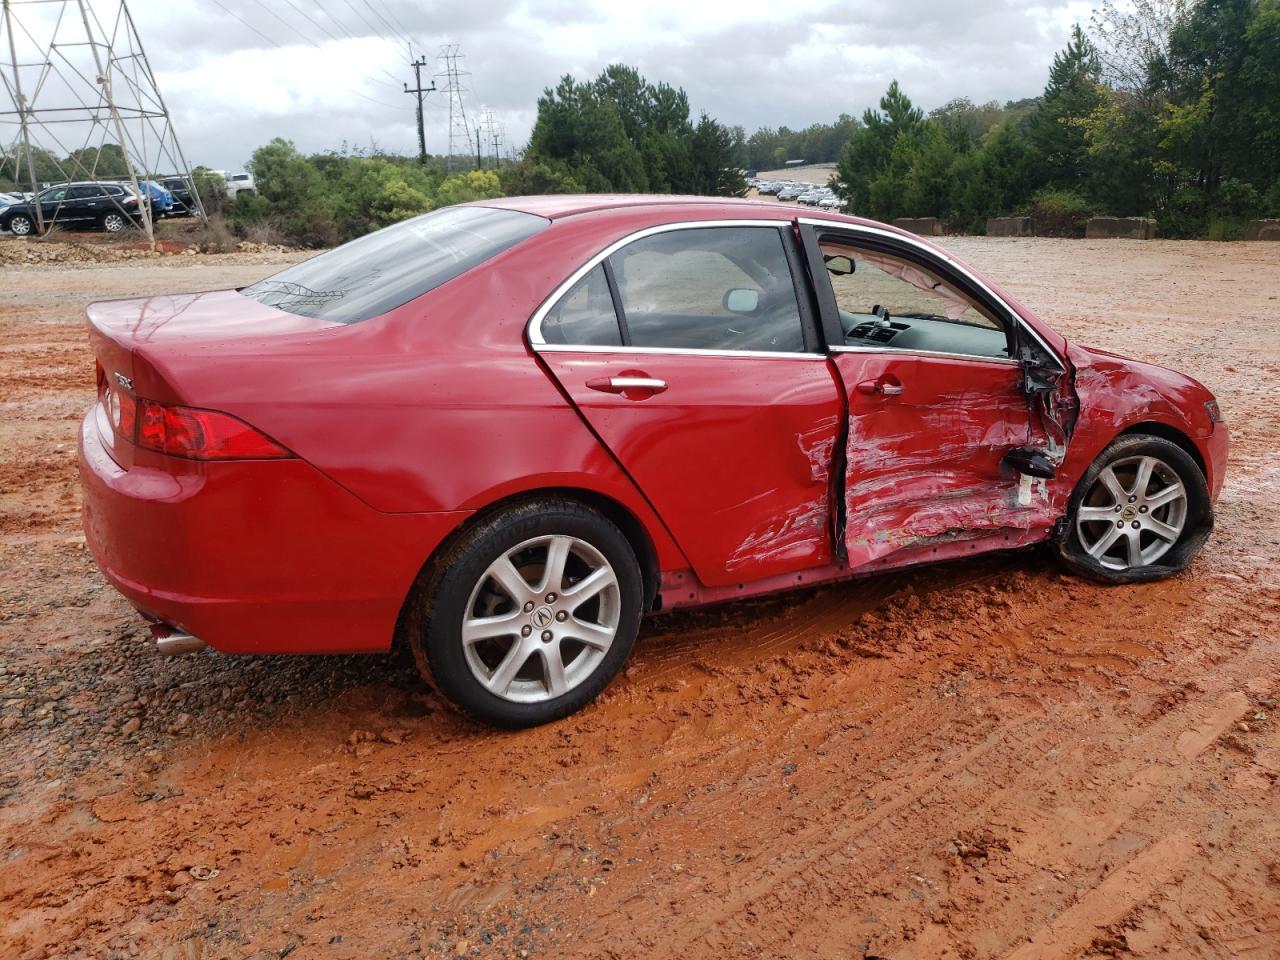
column 626, row 521
column 1166, row 432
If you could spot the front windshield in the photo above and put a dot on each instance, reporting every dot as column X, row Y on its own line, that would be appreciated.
column 388, row 268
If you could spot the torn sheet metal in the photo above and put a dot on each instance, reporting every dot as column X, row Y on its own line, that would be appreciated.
column 927, row 464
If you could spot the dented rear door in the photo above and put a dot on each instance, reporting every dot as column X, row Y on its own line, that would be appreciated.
column 691, row 356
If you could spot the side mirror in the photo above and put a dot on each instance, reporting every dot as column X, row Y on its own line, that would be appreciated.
column 742, row 300
column 1032, row 462
column 840, row 266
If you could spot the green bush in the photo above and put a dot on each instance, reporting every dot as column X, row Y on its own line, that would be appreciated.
column 1059, row 213
column 1186, row 215
column 1225, row 228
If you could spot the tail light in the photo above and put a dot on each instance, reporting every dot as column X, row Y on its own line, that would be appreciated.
column 188, row 432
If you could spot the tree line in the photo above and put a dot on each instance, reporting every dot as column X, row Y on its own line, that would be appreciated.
column 1164, row 109
column 1161, row 108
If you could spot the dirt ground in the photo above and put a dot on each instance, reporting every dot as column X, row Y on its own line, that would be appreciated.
column 988, row 759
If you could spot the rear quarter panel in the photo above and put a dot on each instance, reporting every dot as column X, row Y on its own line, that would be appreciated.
column 438, row 405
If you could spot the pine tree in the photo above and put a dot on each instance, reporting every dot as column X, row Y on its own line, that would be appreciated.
column 1070, row 97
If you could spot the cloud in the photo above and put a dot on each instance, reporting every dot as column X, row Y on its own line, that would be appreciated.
column 325, row 72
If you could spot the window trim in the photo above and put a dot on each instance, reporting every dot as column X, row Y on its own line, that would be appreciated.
column 927, row 253
column 533, row 329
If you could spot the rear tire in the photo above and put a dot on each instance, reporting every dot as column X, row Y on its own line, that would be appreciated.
column 113, row 222
column 1141, row 512
column 529, row 615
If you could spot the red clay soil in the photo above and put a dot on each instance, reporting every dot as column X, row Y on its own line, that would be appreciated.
column 988, row 759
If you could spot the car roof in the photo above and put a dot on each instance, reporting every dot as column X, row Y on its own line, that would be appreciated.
column 561, row 205
column 649, row 208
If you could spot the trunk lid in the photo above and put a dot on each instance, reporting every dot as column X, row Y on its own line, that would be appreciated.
column 175, row 348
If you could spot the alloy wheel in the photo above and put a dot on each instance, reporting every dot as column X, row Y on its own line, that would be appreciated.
column 20, row 226
column 113, row 223
column 541, row 619
column 1134, row 512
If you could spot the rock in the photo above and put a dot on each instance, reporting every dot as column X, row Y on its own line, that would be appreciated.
column 1262, row 230
column 1120, row 228
column 130, row 726
column 1009, row 227
column 921, row 226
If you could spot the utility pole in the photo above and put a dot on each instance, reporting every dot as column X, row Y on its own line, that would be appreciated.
column 420, row 92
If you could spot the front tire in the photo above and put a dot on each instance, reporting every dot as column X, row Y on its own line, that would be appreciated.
column 530, row 614
column 22, row 226
column 1141, row 512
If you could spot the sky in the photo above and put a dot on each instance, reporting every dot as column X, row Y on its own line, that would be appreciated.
column 329, row 73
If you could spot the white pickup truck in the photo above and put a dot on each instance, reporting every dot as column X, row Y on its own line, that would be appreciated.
column 237, row 183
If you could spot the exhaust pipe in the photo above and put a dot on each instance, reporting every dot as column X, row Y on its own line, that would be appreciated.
column 171, row 641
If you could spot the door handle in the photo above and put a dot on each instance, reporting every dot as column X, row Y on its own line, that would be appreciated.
column 625, row 384
column 888, row 388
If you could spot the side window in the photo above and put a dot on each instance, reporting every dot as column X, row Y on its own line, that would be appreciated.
column 584, row 315
column 890, row 302
column 709, row 288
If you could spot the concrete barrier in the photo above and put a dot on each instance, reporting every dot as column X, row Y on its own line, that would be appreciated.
column 1262, row 230
column 921, row 226
column 1009, row 227
column 1122, row 228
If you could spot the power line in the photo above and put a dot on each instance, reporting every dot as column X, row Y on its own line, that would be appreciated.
column 385, row 22
column 356, row 10
column 405, row 34
column 395, row 81
column 303, row 37
column 247, row 24
column 312, row 20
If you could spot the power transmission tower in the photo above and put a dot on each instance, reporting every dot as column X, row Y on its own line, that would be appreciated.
column 78, row 82
column 459, row 132
column 420, row 92
column 483, row 126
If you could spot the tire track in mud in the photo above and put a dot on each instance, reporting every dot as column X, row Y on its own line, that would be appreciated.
column 1107, row 903
column 844, row 854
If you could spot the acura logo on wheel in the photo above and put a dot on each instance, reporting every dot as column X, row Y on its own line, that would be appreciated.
column 541, row 617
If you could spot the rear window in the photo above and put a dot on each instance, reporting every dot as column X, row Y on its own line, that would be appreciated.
column 386, row 269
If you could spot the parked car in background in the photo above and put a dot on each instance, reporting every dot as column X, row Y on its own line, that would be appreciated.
column 160, row 198
column 238, row 183
column 502, row 432
column 791, row 192
column 184, row 204
column 84, row 206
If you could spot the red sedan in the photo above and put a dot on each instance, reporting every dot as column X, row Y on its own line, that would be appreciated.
column 501, row 433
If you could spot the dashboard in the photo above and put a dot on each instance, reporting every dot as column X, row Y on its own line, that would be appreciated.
column 918, row 331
